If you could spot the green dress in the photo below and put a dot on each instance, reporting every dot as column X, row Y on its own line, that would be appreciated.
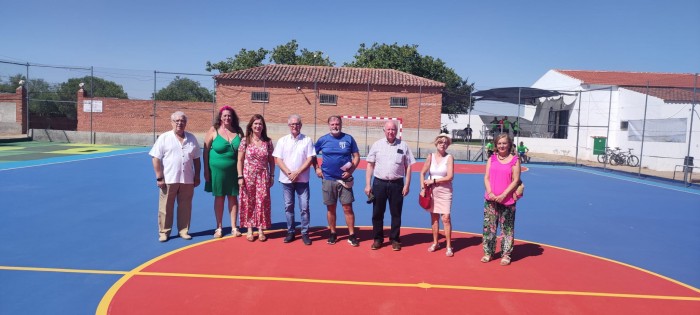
column 222, row 166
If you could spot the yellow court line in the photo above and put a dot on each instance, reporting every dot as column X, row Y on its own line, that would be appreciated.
column 64, row 270
column 11, row 148
column 421, row 285
column 103, row 306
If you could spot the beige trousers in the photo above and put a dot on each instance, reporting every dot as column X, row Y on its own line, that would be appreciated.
column 166, row 205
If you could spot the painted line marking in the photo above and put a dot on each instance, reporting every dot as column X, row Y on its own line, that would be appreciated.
column 74, row 158
column 421, row 285
column 625, row 178
column 65, row 270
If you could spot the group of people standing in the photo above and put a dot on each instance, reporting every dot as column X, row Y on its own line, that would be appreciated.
column 239, row 170
column 504, row 126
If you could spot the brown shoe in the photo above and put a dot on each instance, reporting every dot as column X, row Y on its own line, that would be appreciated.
column 376, row 245
column 396, row 246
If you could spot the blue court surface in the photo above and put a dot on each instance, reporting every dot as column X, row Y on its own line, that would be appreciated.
column 72, row 226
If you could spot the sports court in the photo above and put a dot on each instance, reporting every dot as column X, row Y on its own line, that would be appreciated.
column 79, row 237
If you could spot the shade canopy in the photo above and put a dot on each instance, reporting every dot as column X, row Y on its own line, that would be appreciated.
column 515, row 95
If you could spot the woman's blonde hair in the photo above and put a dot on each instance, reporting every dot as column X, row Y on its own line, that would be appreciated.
column 443, row 135
column 503, row 135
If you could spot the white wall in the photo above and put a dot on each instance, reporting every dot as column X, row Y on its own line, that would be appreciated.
column 598, row 105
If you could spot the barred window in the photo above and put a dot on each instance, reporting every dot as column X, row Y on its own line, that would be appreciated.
column 260, row 97
column 328, row 99
column 399, row 102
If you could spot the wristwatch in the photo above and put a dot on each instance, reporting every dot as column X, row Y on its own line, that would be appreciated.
column 159, row 179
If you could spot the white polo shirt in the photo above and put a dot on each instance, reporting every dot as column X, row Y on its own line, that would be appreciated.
column 178, row 159
column 293, row 152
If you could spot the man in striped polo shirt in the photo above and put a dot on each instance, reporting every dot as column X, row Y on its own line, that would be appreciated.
column 389, row 161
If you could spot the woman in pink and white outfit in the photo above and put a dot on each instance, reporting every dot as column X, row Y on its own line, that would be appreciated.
column 440, row 169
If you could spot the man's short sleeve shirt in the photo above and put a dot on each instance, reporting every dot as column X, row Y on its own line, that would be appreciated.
column 335, row 152
column 293, row 152
column 177, row 158
column 390, row 159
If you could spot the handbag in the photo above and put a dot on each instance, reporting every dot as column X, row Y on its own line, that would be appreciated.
column 425, row 198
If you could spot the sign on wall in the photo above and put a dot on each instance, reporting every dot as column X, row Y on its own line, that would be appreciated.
column 658, row 130
column 95, row 108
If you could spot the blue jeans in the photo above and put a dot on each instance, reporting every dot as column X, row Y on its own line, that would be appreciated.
column 301, row 189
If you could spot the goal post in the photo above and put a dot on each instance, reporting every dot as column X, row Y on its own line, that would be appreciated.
column 368, row 129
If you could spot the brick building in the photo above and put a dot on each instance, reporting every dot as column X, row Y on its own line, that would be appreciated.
column 316, row 92
column 13, row 112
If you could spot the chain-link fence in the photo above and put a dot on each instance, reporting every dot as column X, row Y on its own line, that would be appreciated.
column 649, row 128
column 139, row 103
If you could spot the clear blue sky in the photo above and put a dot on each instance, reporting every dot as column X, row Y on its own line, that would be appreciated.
column 490, row 43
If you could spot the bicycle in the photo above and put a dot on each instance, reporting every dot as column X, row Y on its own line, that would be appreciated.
column 620, row 157
column 631, row 160
column 610, row 156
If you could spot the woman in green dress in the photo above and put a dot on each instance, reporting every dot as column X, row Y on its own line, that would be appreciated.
column 220, row 173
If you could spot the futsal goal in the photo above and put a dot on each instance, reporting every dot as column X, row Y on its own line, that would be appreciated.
column 368, row 129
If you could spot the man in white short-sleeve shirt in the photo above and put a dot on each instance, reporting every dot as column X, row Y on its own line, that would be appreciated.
column 176, row 162
column 293, row 154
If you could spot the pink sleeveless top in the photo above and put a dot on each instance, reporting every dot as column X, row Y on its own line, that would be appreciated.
column 500, row 176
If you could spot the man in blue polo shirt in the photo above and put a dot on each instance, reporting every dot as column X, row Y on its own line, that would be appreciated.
column 340, row 157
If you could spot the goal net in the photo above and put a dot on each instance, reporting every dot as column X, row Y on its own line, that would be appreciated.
column 367, row 130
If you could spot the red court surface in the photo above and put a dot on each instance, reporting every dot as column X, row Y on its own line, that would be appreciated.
column 232, row 275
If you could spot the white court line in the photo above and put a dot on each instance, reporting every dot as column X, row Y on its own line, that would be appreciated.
column 72, row 159
column 622, row 177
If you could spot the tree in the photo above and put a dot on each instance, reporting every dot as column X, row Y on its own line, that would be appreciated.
column 406, row 58
column 455, row 99
column 43, row 99
column 97, row 86
column 12, row 83
column 243, row 60
column 314, row 58
column 282, row 55
column 67, row 93
column 287, row 55
column 184, row 89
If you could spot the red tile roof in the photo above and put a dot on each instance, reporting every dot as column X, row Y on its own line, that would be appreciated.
column 671, row 87
column 335, row 75
column 655, row 79
column 670, row 95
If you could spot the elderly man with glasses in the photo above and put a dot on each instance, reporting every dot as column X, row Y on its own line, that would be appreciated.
column 176, row 162
column 293, row 154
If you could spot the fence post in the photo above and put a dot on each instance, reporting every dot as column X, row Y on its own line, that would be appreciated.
column 686, row 178
column 155, row 78
column 578, row 127
column 644, row 126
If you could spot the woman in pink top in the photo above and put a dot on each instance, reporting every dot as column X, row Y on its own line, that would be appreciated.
column 501, row 179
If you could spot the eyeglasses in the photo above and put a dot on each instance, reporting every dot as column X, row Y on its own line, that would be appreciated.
column 295, row 124
column 182, row 121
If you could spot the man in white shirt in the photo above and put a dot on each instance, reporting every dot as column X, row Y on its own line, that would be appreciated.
column 389, row 161
column 293, row 154
column 176, row 162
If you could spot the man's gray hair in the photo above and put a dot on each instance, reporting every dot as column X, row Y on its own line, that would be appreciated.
column 177, row 115
column 292, row 117
column 335, row 117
